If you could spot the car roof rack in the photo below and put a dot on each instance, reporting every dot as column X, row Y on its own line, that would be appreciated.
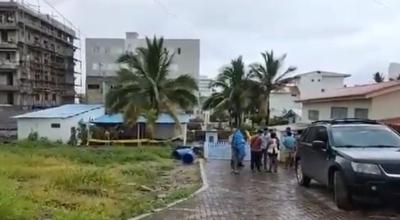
column 347, row 121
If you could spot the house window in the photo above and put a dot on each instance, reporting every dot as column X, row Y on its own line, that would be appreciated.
column 319, row 80
column 313, row 115
column 179, row 50
column 338, row 112
column 322, row 90
column 54, row 97
column 93, row 86
column 361, row 113
column 55, row 125
column 312, row 80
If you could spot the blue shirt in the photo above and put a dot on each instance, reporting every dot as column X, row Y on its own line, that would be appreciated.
column 289, row 142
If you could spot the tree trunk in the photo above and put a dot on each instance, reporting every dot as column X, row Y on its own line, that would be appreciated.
column 268, row 109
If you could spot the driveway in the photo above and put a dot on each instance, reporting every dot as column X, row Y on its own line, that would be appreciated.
column 263, row 196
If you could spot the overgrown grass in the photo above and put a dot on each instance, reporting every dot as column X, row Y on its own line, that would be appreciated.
column 43, row 180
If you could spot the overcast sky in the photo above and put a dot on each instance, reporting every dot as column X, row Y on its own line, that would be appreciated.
column 358, row 37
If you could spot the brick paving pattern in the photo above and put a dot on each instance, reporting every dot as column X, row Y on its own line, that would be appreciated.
column 263, row 196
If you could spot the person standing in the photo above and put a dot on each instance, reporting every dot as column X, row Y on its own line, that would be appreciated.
column 255, row 146
column 289, row 143
column 264, row 145
column 273, row 149
column 238, row 150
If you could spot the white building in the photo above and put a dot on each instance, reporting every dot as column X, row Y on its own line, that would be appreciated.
column 56, row 123
column 379, row 101
column 394, row 70
column 102, row 54
column 204, row 86
column 304, row 85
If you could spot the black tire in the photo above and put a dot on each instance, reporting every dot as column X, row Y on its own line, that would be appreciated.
column 302, row 179
column 342, row 196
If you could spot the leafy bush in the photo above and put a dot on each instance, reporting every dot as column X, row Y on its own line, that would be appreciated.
column 33, row 136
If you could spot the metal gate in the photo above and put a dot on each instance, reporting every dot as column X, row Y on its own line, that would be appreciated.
column 221, row 151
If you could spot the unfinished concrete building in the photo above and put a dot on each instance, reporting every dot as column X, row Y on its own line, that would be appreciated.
column 37, row 65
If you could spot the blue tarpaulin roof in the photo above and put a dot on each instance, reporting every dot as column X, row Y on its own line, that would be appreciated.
column 64, row 111
column 163, row 118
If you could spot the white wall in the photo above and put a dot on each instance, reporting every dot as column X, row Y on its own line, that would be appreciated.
column 386, row 106
column 325, row 108
column 44, row 129
column 282, row 101
column 311, row 85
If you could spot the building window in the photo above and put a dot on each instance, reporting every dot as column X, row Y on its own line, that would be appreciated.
column 319, row 80
column 312, row 80
column 179, row 50
column 107, row 50
column 361, row 113
column 54, row 97
column 322, row 90
column 313, row 115
column 10, row 98
column 338, row 112
column 55, row 125
column 93, row 86
column 46, row 96
column 96, row 49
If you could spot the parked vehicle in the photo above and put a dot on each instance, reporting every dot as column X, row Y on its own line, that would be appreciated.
column 355, row 158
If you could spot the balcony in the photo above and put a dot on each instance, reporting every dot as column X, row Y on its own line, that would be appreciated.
column 8, row 45
column 9, row 65
column 9, row 88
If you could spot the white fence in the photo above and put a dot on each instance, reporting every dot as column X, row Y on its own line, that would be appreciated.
column 221, row 151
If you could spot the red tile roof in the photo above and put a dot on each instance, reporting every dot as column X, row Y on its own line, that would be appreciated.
column 355, row 92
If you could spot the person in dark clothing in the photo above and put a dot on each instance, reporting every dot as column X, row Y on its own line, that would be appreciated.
column 255, row 146
column 273, row 149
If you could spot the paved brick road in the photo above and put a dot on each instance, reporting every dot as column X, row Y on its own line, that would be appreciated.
column 262, row 196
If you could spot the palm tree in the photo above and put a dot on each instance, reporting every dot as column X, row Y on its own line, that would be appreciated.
column 266, row 77
column 378, row 77
column 145, row 88
column 230, row 92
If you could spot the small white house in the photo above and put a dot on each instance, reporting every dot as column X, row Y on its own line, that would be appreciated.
column 56, row 123
column 379, row 101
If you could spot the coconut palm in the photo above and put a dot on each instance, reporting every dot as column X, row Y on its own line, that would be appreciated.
column 266, row 77
column 230, row 92
column 144, row 84
column 378, row 77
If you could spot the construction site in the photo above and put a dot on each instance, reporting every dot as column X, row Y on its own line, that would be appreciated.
column 39, row 65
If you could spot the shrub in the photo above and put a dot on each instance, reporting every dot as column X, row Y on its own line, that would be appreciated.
column 33, row 136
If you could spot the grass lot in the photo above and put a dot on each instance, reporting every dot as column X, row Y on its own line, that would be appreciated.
column 39, row 180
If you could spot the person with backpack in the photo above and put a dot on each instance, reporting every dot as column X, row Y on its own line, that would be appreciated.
column 255, row 147
column 273, row 149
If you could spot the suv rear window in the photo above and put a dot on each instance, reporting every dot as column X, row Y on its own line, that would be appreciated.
column 318, row 133
column 364, row 136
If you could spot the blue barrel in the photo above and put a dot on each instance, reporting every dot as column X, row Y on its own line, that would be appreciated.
column 188, row 157
column 179, row 153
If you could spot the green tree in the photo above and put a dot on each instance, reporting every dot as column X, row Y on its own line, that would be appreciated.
column 266, row 77
column 379, row 77
column 230, row 95
column 145, row 85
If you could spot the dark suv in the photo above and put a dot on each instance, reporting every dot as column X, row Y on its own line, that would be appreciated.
column 355, row 158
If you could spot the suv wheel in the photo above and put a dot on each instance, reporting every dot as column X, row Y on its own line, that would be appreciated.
column 341, row 193
column 302, row 179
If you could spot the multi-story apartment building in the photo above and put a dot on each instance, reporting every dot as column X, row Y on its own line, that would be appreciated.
column 102, row 54
column 36, row 60
column 204, row 86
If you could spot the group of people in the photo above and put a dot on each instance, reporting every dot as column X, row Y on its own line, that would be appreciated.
column 264, row 147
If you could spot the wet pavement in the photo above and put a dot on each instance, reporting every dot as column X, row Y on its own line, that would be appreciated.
column 264, row 196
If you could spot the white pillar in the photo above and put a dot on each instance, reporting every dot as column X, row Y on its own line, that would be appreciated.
column 184, row 134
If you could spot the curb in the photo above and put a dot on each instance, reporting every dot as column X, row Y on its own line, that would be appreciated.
column 203, row 187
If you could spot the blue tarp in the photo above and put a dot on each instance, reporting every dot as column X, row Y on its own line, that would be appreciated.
column 163, row 118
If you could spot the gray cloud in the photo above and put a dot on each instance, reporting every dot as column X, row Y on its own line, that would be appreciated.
column 358, row 37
